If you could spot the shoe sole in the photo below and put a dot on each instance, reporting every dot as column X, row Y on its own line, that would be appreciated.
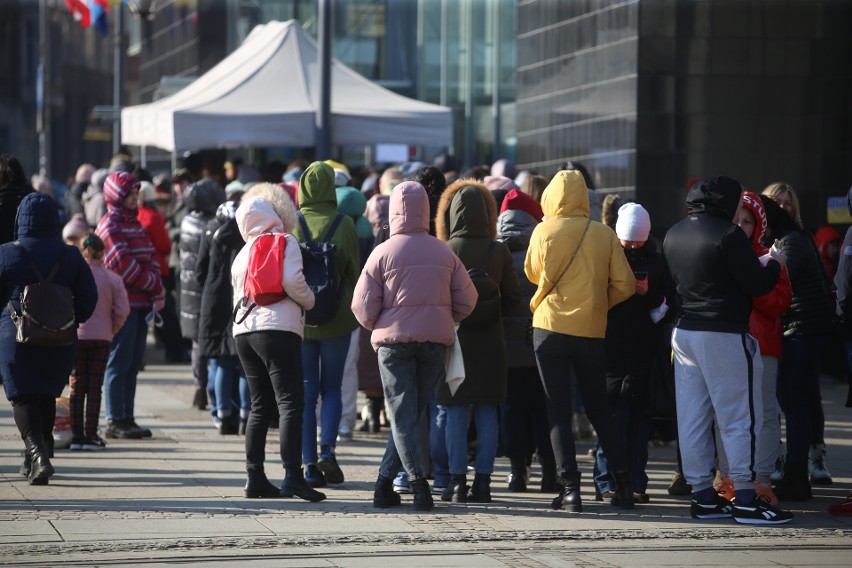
column 821, row 481
column 290, row 494
column 262, row 495
column 712, row 516
column 748, row 521
column 384, row 504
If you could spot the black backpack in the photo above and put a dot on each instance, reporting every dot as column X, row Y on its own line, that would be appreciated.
column 47, row 315
column 320, row 270
column 487, row 310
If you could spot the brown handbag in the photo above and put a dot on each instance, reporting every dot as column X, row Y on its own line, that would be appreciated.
column 47, row 315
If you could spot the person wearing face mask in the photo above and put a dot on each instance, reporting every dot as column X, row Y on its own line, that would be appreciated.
column 717, row 363
column 631, row 339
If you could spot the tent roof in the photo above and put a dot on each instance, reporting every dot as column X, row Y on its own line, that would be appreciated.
column 263, row 94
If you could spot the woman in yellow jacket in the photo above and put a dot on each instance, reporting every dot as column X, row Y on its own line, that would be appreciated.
column 581, row 272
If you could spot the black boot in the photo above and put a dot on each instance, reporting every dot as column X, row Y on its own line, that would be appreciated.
column 422, row 495
column 295, row 484
column 40, row 467
column 795, row 485
column 375, row 404
column 569, row 498
column 456, row 491
column 258, row 486
column 25, row 467
column 384, row 496
column 480, row 491
column 623, row 496
column 518, row 476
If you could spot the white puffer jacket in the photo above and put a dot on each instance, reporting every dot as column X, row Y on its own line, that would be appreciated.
column 262, row 212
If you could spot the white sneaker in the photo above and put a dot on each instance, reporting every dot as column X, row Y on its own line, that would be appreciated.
column 816, row 466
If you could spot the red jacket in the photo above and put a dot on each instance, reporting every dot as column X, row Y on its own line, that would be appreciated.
column 765, row 320
column 154, row 225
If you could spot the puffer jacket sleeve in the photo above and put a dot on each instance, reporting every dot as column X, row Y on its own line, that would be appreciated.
column 622, row 283
column 293, row 279
column 462, row 291
column 120, row 303
column 85, row 290
column 368, row 297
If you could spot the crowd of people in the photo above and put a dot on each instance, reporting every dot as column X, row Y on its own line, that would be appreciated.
column 559, row 304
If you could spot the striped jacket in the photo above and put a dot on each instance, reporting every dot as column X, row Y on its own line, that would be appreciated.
column 129, row 253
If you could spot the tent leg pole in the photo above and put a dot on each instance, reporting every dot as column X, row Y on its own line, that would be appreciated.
column 174, row 160
column 143, row 156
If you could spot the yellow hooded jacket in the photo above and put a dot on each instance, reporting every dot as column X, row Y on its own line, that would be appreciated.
column 600, row 276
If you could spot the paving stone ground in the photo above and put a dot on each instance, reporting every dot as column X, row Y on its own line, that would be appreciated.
column 178, row 498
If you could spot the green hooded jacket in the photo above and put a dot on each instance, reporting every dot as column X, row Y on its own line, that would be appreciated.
column 318, row 204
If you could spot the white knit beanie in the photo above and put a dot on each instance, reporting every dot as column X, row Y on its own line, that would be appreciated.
column 634, row 223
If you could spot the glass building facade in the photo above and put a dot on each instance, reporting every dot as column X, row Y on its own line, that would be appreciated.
column 649, row 94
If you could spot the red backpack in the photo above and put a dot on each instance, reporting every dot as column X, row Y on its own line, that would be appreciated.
column 265, row 271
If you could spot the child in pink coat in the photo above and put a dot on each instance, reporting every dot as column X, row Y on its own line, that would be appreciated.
column 93, row 348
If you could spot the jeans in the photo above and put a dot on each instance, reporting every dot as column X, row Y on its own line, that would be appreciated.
column 410, row 373
column 524, row 415
column 634, row 426
column 125, row 360
column 799, row 392
column 272, row 361
column 349, row 387
column 229, row 376
column 323, row 361
column 212, row 368
column 555, row 354
column 454, row 419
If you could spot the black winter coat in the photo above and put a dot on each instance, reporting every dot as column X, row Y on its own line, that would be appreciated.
column 467, row 220
column 632, row 337
column 812, row 309
column 222, row 241
column 201, row 200
column 29, row 370
column 514, row 228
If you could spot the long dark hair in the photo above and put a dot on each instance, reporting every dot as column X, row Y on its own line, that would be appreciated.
column 11, row 171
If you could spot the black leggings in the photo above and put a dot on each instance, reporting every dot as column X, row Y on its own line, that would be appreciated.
column 272, row 361
column 34, row 415
column 555, row 354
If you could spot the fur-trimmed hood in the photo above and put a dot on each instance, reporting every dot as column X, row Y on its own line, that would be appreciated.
column 472, row 214
column 265, row 208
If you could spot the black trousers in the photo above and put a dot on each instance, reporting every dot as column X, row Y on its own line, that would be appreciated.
column 524, row 417
column 272, row 361
column 34, row 415
column 556, row 354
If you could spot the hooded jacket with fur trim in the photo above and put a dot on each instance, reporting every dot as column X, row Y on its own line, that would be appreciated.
column 467, row 220
column 267, row 209
column 600, row 277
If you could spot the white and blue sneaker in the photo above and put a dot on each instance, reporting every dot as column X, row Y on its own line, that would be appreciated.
column 760, row 512
column 720, row 508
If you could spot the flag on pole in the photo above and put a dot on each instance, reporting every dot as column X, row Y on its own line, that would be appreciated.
column 80, row 10
column 98, row 10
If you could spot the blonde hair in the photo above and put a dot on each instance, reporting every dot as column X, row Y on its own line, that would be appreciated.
column 779, row 188
column 534, row 186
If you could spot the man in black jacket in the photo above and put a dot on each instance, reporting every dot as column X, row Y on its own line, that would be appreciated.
column 717, row 362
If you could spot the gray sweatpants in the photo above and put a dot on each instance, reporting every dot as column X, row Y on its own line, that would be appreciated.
column 717, row 375
column 769, row 441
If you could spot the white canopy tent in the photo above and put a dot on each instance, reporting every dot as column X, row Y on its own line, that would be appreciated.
column 264, row 94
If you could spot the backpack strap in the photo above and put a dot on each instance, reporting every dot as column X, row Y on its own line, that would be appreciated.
column 241, row 304
column 333, row 228
column 570, row 261
column 304, row 225
column 55, row 268
column 29, row 258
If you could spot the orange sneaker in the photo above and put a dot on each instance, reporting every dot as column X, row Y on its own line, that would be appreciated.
column 765, row 490
column 725, row 488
